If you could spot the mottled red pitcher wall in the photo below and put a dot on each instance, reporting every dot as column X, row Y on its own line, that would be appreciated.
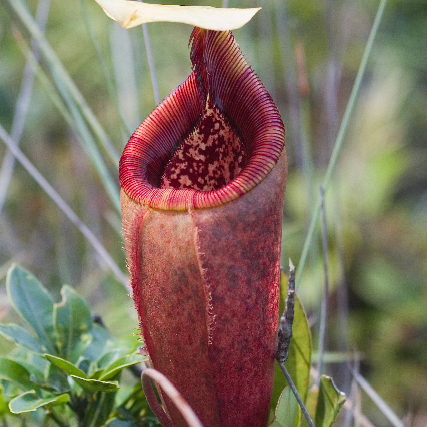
column 203, row 181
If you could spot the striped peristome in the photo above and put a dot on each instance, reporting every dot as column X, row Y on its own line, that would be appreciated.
column 222, row 83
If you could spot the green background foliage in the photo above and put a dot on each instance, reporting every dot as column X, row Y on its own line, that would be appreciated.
column 307, row 54
column 67, row 366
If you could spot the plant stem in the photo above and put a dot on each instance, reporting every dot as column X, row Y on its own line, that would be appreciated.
column 324, row 306
column 284, row 332
column 98, row 410
column 341, row 134
column 298, row 397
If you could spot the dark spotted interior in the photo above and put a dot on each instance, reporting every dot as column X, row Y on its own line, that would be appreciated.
column 209, row 158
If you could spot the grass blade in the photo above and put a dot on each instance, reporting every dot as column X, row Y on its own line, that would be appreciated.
column 91, row 238
column 385, row 409
column 340, row 137
column 151, row 64
column 107, row 75
column 78, row 107
column 88, row 143
column 22, row 106
column 77, row 124
column 124, row 72
column 325, row 296
column 56, row 67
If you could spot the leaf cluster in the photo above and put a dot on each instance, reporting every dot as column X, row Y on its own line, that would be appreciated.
column 65, row 368
column 323, row 402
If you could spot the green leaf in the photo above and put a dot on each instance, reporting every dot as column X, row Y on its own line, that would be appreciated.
column 93, row 386
column 56, row 381
column 16, row 374
column 33, row 303
column 72, row 319
column 65, row 365
column 3, row 406
column 311, row 405
column 329, row 402
column 134, row 402
column 101, row 339
column 109, row 357
column 299, row 360
column 84, row 364
column 81, row 347
column 29, row 401
column 287, row 411
column 95, row 374
column 22, row 337
column 115, row 349
column 35, row 364
column 121, row 363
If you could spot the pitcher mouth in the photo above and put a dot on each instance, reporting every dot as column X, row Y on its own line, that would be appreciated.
column 213, row 139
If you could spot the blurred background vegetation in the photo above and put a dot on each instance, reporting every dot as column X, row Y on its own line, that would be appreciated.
column 307, row 54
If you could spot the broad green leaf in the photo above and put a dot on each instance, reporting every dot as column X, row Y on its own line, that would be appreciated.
column 329, row 402
column 115, row 349
column 95, row 374
column 135, row 403
column 33, row 302
column 84, row 364
column 130, row 14
column 22, row 337
column 29, row 401
column 93, row 386
column 310, row 404
column 56, row 381
column 65, row 365
column 35, row 364
column 299, row 360
column 71, row 318
column 81, row 347
column 16, row 374
column 121, row 363
column 52, row 384
column 109, row 357
column 287, row 410
column 101, row 339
